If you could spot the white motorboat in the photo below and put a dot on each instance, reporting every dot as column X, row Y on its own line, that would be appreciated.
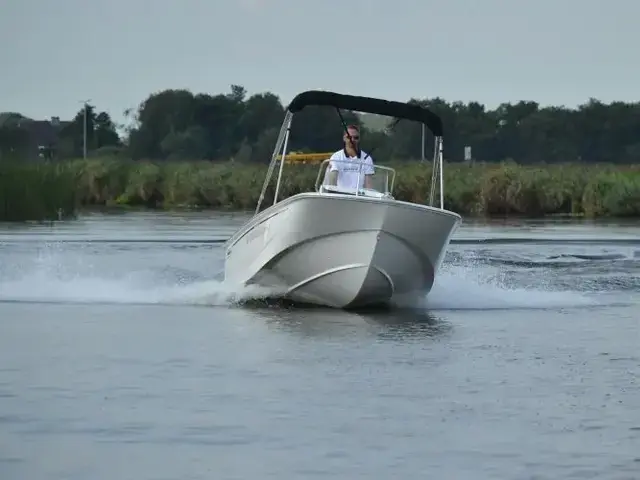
column 345, row 248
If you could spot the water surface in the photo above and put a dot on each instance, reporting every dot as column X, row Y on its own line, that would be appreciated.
column 122, row 355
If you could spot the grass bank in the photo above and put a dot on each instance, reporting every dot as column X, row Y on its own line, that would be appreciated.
column 38, row 191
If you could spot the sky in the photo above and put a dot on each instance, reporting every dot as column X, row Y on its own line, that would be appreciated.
column 55, row 54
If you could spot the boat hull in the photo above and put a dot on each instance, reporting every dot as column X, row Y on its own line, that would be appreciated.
column 342, row 251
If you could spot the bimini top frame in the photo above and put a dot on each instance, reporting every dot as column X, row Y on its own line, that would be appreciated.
column 399, row 110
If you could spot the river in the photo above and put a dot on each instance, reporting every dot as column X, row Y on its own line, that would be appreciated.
column 122, row 356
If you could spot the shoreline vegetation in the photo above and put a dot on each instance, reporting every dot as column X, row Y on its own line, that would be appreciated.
column 36, row 191
column 580, row 161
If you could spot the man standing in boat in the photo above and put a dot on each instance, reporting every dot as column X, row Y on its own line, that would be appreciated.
column 351, row 167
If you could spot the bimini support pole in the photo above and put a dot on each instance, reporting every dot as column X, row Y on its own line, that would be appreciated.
column 441, row 161
column 437, row 177
column 282, row 136
column 282, row 159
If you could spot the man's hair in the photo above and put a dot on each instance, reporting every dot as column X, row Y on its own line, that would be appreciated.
column 354, row 127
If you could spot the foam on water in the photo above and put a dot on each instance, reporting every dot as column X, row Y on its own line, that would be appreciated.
column 467, row 288
column 41, row 288
column 53, row 277
column 456, row 287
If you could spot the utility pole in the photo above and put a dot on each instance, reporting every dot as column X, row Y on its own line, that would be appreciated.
column 422, row 146
column 84, row 128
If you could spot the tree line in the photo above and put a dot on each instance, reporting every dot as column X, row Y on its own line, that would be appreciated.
column 176, row 124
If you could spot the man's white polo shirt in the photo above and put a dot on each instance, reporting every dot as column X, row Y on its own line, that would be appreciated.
column 349, row 167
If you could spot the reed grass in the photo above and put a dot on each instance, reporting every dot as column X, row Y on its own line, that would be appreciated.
column 39, row 191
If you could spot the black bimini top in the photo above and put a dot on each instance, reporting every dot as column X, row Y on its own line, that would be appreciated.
column 370, row 105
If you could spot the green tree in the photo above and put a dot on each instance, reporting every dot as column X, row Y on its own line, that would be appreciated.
column 105, row 133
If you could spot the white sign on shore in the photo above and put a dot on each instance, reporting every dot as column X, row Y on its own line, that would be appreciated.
column 467, row 154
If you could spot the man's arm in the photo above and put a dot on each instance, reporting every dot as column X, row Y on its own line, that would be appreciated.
column 369, row 171
column 332, row 177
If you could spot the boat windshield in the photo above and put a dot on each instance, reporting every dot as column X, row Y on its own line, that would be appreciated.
column 351, row 179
